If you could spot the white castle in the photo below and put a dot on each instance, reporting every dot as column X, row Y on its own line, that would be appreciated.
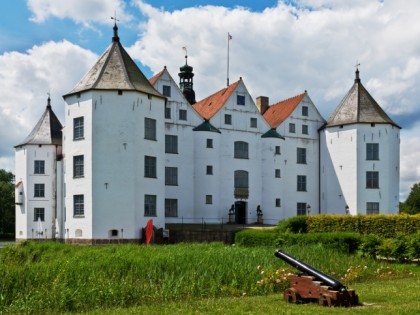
column 134, row 149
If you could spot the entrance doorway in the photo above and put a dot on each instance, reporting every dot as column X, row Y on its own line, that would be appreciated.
column 240, row 212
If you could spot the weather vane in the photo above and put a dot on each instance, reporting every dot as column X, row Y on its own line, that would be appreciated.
column 357, row 64
column 115, row 17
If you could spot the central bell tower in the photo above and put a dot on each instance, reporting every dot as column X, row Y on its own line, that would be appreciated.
column 186, row 81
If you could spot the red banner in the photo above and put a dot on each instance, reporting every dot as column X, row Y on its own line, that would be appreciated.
column 149, row 231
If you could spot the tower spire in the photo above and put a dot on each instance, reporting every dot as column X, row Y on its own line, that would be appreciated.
column 49, row 101
column 186, row 80
column 115, row 38
column 357, row 78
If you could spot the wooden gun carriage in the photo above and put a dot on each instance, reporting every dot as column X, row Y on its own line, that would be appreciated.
column 313, row 285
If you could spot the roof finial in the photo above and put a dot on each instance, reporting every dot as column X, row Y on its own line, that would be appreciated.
column 186, row 54
column 115, row 38
column 357, row 79
column 49, row 100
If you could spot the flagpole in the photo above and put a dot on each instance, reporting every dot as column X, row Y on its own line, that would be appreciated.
column 228, row 39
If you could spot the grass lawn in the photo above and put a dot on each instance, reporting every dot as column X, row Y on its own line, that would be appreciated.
column 401, row 296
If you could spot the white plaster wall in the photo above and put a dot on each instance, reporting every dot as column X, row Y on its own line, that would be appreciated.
column 25, row 157
column 272, row 187
column 339, row 169
column 388, row 167
column 78, row 107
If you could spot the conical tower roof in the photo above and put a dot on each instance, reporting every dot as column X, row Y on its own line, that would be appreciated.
column 47, row 130
column 358, row 107
column 115, row 70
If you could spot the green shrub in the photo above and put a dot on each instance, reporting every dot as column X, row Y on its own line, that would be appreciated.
column 341, row 241
column 369, row 245
column 293, row 225
column 256, row 237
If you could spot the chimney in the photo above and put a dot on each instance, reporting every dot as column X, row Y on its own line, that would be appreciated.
column 262, row 104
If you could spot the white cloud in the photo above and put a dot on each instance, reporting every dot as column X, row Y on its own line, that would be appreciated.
column 81, row 11
column 26, row 78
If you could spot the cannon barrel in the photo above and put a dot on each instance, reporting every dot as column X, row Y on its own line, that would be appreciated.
column 310, row 271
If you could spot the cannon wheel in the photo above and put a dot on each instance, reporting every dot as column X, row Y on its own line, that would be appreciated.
column 325, row 300
column 291, row 296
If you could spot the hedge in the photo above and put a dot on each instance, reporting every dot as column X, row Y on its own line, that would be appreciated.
column 256, row 237
column 387, row 226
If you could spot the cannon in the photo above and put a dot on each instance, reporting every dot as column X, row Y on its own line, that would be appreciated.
column 312, row 285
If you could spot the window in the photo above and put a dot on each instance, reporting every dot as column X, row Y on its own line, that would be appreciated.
column 39, row 190
column 209, row 199
column 301, row 208
column 240, row 99
column 149, row 129
column 253, row 122
column 304, row 110
column 241, row 179
column 228, row 119
column 78, row 166
column 171, row 176
column 39, row 213
column 372, row 179
column 241, row 150
column 166, row 91
column 78, row 128
column 78, row 205
column 209, row 143
column 171, row 144
column 372, row 207
column 372, row 151
column 120, row 92
column 149, row 205
column 277, row 173
column 278, row 202
column 277, row 150
column 167, row 112
column 301, row 155
column 39, row 167
column 171, row 207
column 305, row 129
column 301, row 183
column 209, row 170
column 150, row 166
column 292, row 128
column 113, row 233
column 182, row 114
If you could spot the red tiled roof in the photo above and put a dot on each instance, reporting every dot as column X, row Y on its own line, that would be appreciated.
column 153, row 79
column 209, row 106
column 278, row 112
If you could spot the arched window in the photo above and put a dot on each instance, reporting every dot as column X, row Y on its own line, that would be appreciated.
column 241, row 179
column 241, row 150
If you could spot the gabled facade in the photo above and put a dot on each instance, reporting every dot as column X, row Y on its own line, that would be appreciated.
column 135, row 149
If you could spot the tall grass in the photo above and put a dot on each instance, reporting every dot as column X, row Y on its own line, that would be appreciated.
column 57, row 277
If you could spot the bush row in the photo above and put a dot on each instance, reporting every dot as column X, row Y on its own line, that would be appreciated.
column 402, row 248
column 387, row 226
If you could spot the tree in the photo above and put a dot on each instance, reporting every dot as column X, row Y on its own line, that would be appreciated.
column 412, row 204
column 7, row 204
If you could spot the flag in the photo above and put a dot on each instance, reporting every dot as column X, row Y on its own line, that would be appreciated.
column 229, row 36
column 149, row 231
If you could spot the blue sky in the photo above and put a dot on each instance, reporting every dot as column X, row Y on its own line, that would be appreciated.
column 279, row 48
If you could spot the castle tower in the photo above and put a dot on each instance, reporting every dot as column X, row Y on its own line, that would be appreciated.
column 186, row 81
column 38, row 180
column 114, row 152
column 360, row 148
